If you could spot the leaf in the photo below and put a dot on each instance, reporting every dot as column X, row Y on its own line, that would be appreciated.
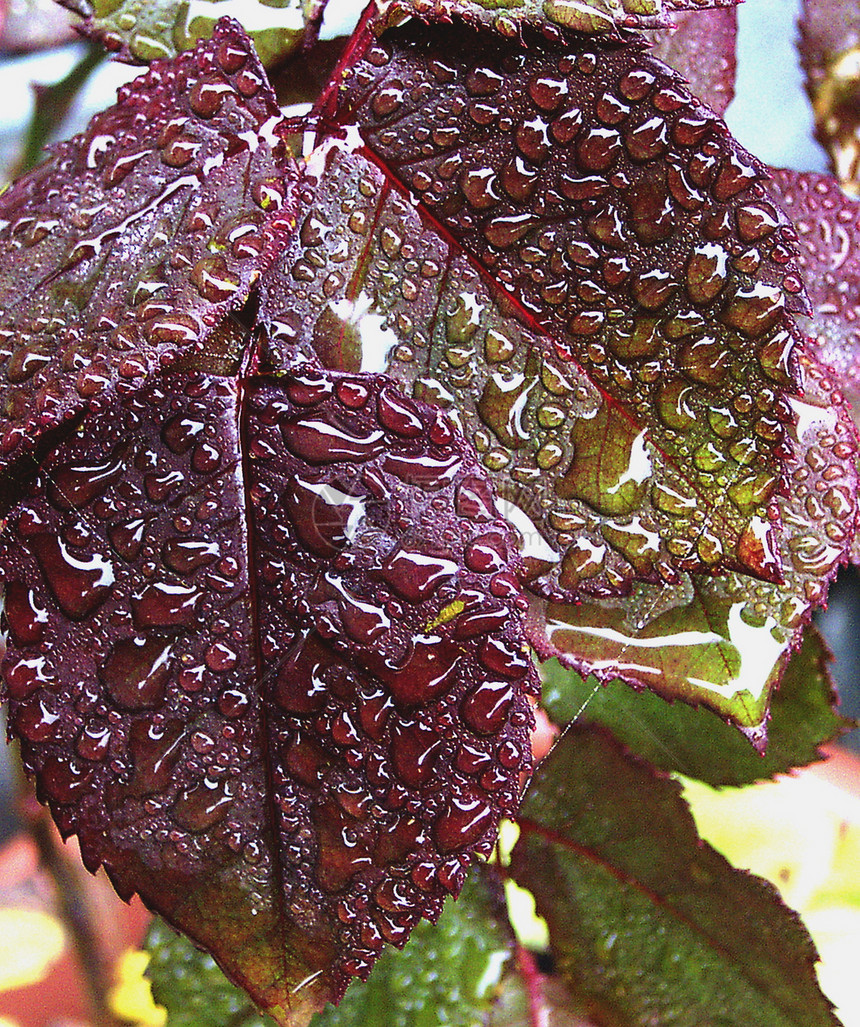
column 302, row 671
column 140, row 31
column 647, row 923
column 593, row 17
column 447, row 973
column 724, row 642
column 827, row 223
column 701, row 47
column 189, row 985
column 125, row 252
column 629, row 245
column 828, row 50
column 695, row 742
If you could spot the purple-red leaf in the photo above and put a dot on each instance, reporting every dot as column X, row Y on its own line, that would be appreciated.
column 124, row 252
column 827, row 224
column 632, row 240
column 701, row 47
column 265, row 660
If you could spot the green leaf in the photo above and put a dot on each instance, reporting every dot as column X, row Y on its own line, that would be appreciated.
column 724, row 642
column 144, row 30
column 648, row 924
column 592, row 17
column 447, row 974
column 191, row 987
column 696, row 742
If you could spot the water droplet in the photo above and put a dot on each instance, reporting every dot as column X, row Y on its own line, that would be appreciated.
column 481, row 622
column 399, row 414
column 137, row 671
column 501, row 657
column 64, row 780
column 300, row 686
column 163, row 605
column 127, row 537
column 73, row 486
column 532, row 139
column 598, row 148
column 465, row 820
column 93, row 741
column 483, row 81
column 548, row 92
column 479, row 187
column 213, row 279
column 754, row 309
column 202, row 806
column 415, row 575
column 428, row 671
column 23, row 677
column 80, row 581
column 426, row 471
column 414, row 750
column 485, row 708
column 186, row 555
column 207, row 96
column 320, row 442
column 706, row 272
column 25, row 617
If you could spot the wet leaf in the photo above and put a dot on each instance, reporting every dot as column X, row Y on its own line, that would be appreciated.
column 829, row 49
column 447, row 973
column 127, row 249
column 701, row 47
column 592, row 17
column 620, row 342
column 647, row 923
column 697, row 743
column 827, row 224
column 140, row 31
column 303, row 675
column 724, row 642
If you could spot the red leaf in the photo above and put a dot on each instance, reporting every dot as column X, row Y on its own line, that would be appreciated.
column 124, row 252
column 633, row 243
column 702, row 48
column 277, row 686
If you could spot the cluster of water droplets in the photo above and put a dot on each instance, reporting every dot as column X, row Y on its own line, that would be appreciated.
column 625, row 224
column 130, row 669
column 398, row 719
column 124, row 252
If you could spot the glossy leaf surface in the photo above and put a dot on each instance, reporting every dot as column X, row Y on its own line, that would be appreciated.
column 725, row 641
column 697, row 743
column 605, row 839
column 272, row 686
column 124, row 252
column 633, row 241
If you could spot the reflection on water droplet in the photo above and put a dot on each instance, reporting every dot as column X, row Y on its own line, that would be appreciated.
column 137, row 671
column 80, row 581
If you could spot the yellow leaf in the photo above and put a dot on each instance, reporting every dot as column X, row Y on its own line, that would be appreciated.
column 30, row 943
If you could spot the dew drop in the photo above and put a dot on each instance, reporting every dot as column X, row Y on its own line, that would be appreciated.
column 429, row 670
column 137, row 671
column 465, row 820
column 80, row 582
column 163, row 605
column 415, row 575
